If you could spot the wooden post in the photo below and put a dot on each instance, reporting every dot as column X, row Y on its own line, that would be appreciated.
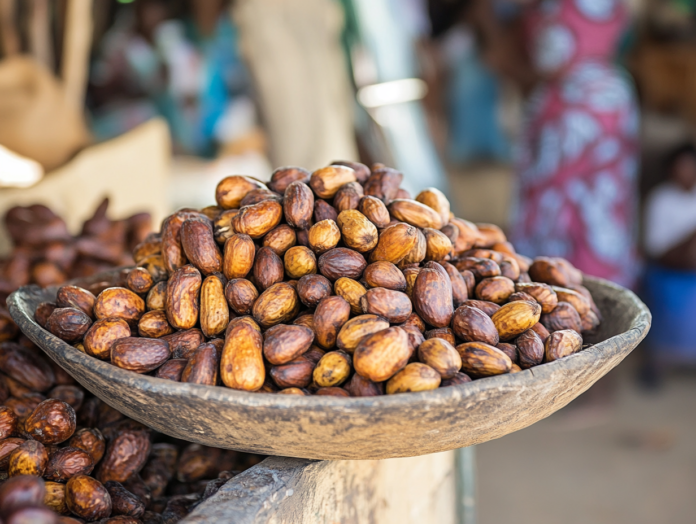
column 76, row 47
column 8, row 28
column 40, row 33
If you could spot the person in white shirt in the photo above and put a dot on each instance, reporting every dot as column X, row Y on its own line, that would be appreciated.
column 670, row 213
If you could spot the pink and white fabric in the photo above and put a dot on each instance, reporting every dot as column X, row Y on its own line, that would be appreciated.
column 577, row 160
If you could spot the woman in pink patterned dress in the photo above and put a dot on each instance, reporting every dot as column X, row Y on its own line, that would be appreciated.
column 577, row 158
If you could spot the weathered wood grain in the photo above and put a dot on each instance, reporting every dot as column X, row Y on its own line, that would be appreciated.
column 351, row 428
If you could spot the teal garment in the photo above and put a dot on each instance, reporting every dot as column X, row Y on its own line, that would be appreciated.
column 474, row 129
column 224, row 77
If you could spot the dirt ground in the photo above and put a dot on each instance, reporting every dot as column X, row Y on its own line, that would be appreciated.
column 636, row 465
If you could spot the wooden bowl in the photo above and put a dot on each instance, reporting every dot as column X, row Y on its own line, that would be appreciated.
column 351, row 428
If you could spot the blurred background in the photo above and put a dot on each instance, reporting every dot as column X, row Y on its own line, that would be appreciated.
column 570, row 123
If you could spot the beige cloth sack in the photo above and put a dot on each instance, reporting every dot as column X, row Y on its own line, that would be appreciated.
column 35, row 120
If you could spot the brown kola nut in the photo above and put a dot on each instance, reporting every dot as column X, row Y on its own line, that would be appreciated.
column 258, row 219
column 284, row 176
column 514, row 318
column 327, row 181
column 489, row 308
column 436, row 200
column 77, row 297
column 357, row 231
column 139, row 280
column 357, row 328
column 298, row 205
column 530, row 349
column 384, row 274
column 542, row 293
column 460, row 290
column 561, row 344
column 294, row 374
column 491, row 234
column 283, row 343
column 438, row 246
column 441, row 356
column 259, row 195
column 380, row 356
column 575, row 299
column 413, row 378
column 172, row 369
column 87, row 498
column 119, row 302
column 124, row 502
column 432, row 296
column 384, row 184
column 394, row 306
column 280, row 239
column 278, row 304
column 547, row 271
column 468, row 235
column 457, row 380
column 480, row 267
column 65, row 463
column 182, row 305
column 322, row 211
column 300, row 261
column 329, row 316
column 202, row 367
column 445, row 334
column 29, row 458
column 341, row 262
column 348, row 197
column 471, row 324
column 140, row 355
column 231, row 190
column 241, row 295
column 55, row 498
column 199, row 245
column 510, row 350
column 157, row 296
column 324, row 236
column 125, row 455
column 351, row 291
column 415, row 214
column 182, row 344
column 394, row 243
column 8, row 422
column 495, row 289
column 362, row 172
column 312, row 289
column 241, row 366
column 564, row 316
column 521, row 296
column 68, row 323
column 375, row 211
column 43, row 311
column 332, row 392
column 154, row 324
column 214, row 312
column 483, row 360
column 332, row 370
column 417, row 253
column 90, row 440
column 52, row 422
column 359, row 386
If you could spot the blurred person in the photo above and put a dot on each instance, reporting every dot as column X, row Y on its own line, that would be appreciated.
column 577, row 156
column 669, row 286
column 186, row 69
column 670, row 213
